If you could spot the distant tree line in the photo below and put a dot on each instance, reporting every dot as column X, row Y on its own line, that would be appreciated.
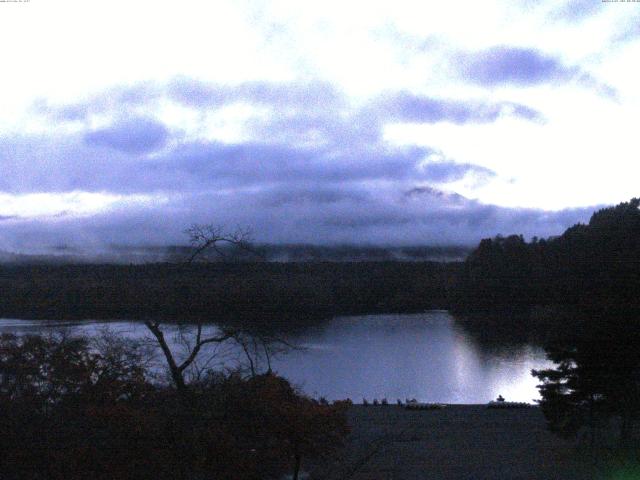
column 270, row 295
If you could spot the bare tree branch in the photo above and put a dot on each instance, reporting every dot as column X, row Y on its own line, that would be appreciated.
column 176, row 373
column 176, row 370
column 261, row 348
column 205, row 237
column 210, row 237
column 200, row 342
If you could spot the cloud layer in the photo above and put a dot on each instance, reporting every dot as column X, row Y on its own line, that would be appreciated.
column 133, row 135
column 326, row 123
column 309, row 167
column 520, row 66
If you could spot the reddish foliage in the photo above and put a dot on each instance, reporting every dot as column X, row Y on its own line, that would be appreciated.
column 67, row 411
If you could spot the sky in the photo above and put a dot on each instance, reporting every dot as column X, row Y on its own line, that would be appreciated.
column 364, row 122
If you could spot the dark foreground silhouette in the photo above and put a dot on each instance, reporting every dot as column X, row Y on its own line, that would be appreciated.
column 71, row 410
column 466, row 442
column 579, row 293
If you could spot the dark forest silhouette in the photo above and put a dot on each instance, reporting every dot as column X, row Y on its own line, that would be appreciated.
column 587, row 266
column 71, row 408
column 580, row 293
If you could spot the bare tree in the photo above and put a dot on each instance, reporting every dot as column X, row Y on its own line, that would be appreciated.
column 260, row 348
column 205, row 237
column 178, row 369
column 256, row 347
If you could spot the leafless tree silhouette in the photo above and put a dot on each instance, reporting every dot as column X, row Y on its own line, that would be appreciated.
column 258, row 348
column 205, row 237
column 177, row 370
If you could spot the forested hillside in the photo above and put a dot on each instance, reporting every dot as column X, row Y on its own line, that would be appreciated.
column 282, row 295
column 588, row 265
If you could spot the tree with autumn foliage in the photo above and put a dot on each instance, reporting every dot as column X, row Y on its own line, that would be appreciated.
column 298, row 427
column 70, row 408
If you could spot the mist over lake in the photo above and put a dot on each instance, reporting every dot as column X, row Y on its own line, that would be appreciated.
column 424, row 356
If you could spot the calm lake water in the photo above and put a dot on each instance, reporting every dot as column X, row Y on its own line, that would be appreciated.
column 424, row 356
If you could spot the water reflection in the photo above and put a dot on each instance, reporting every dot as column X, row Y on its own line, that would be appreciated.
column 424, row 356
column 396, row 356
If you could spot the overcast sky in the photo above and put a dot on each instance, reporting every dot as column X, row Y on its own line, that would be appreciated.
column 404, row 122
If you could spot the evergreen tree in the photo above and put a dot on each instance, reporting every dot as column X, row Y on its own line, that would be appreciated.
column 597, row 377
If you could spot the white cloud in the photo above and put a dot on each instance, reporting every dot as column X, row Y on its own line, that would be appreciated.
column 69, row 204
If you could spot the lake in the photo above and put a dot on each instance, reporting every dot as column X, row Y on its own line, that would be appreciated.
column 426, row 356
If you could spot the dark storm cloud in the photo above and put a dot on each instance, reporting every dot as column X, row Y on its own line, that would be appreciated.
column 132, row 135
